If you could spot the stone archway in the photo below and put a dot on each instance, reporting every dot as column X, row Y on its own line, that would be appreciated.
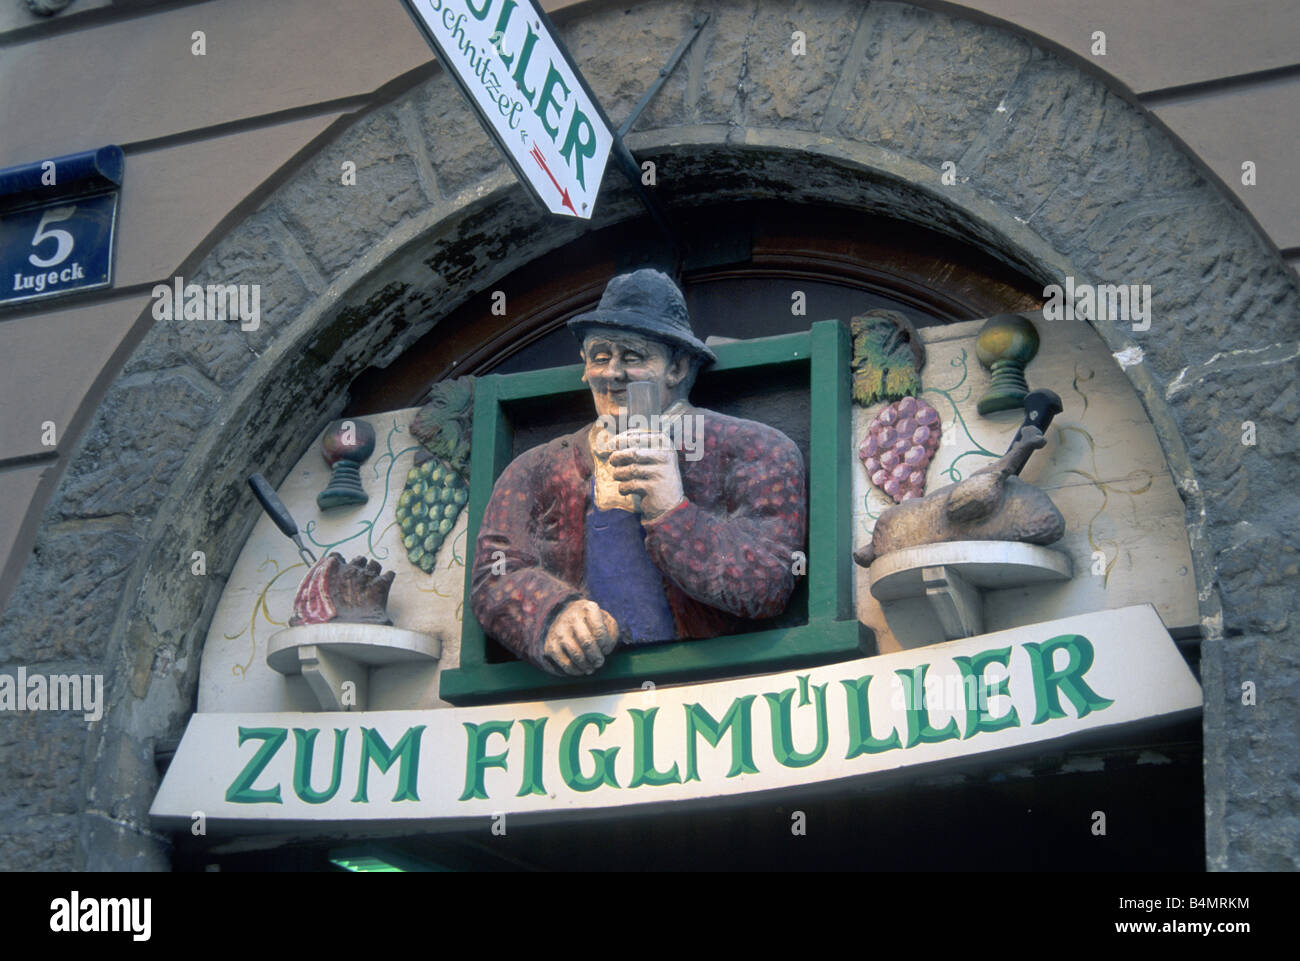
column 1056, row 174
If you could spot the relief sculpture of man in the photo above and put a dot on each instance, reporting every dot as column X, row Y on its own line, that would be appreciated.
column 628, row 533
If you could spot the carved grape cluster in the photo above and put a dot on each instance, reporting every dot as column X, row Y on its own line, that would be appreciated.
column 898, row 447
column 427, row 509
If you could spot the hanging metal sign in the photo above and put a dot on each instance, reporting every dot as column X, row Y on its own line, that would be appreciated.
column 527, row 92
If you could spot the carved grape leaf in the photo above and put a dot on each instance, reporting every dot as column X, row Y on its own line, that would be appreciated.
column 443, row 425
column 887, row 357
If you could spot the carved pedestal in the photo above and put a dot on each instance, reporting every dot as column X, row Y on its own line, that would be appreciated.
column 335, row 655
column 953, row 577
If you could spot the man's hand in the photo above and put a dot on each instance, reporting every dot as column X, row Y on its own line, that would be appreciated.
column 580, row 637
column 646, row 465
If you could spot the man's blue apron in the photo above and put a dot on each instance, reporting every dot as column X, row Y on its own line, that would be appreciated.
column 622, row 579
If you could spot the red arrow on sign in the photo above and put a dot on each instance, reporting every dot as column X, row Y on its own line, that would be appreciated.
column 536, row 154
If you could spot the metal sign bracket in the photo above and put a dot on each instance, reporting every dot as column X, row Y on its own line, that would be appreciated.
column 698, row 24
column 627, row 163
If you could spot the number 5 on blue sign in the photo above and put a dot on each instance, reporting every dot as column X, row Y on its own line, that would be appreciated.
column 57, row 248
column 57, row 238
column 63, row 240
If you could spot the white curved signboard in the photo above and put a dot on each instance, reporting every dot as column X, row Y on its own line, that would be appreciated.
column 941, row 703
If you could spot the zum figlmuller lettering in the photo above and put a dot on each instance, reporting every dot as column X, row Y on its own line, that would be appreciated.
column 736, row 722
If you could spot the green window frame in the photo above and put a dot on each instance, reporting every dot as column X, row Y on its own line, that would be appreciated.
column 832, row 632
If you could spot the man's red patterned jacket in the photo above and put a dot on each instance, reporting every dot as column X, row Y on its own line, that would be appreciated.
column 726, row 552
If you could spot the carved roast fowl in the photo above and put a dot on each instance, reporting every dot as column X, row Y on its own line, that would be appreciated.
column 993, row 504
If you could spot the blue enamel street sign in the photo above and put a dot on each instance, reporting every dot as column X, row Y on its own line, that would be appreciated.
column 56, row 225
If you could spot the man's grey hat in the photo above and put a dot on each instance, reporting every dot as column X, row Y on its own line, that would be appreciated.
column 648, row 302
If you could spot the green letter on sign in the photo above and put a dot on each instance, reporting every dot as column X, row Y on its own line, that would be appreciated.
column 305, row 743
column 780, row 706
column 643, row 752
column 699, row 721
column 919, row 729
column 241, row 789
column 1048, row 682
column 586, row 145
column 477, row 763
column 374, row 749
column 978, row 691
column 553, row 80
column 570, row 762
column 533, row 754
column 861, row 740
